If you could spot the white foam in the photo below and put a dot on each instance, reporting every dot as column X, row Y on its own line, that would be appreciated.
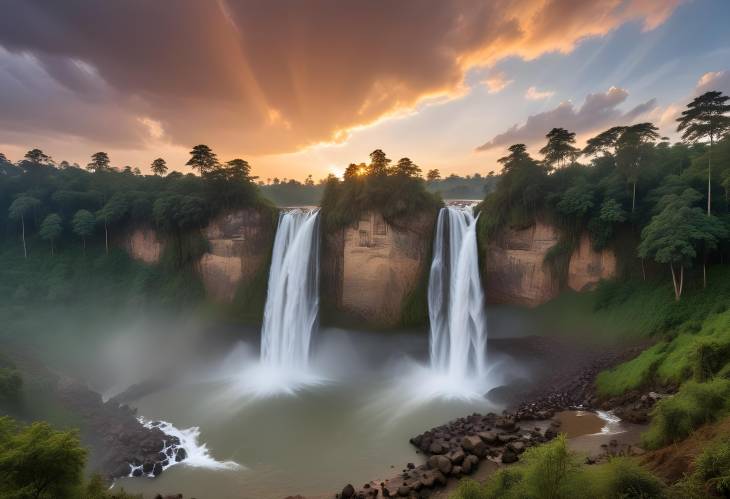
column 197, row 453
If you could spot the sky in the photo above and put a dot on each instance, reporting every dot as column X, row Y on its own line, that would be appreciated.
column 307, row 87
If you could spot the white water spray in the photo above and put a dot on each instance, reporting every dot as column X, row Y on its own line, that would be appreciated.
column 455, row 299
column 292, row 300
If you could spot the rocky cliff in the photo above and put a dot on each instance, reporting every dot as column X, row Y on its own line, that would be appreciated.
column 239, row 244
column 515, row 271
column 144, row 244
column 372, row 266
column 239, row 247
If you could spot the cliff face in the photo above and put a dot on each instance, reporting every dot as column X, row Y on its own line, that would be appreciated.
column 240, row 244
column 588, row 266
column 515, row 272
column 143, row 244
column 372, row 266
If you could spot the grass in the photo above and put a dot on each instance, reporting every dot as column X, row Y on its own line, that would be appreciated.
column 690, row 353
column 674, row 418
column 551, row 471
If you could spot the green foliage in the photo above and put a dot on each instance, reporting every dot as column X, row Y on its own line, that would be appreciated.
column 83, row 224
column 39, row 462
column 11, row 384
column 23, row 206
column 623, row 478
column 51, row 228
column 676, row 234
column 673, row 419
column 712, row 467
column 394, row 196
column 552, row 471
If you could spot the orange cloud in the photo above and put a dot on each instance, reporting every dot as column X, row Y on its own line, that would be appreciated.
column 258, row 77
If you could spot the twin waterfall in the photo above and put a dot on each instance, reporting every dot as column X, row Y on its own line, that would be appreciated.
column 458, row 339
column 292, row 300
column 458, row 344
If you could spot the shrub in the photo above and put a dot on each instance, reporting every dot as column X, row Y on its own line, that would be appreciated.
column 673, row 419
column 11, row 384
column 712, row 467
column 623, row 478
column 710, row 357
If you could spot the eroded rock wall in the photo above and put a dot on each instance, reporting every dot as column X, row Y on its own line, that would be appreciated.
column 516, row 273
column 144, row 244
column 588, row 267
column 372, row 266
column 239, row 247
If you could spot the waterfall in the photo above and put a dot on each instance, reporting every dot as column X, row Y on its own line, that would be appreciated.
column 292, row 300
column 458, row 345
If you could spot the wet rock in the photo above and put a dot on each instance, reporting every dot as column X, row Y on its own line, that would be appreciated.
column 436, row 448
column 157, row 469
column 472, row 444
column 147, row 467
column 348, row 491
column 137, row 472
column 507, row 424
column 440, row 463
column 456, row 456
column 470, row 464
column 488, row 437
column 517, row 447
column 509, row 456
column 180, row 455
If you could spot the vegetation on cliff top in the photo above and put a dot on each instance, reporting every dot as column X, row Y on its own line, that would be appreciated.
column 396, row 191
column 632, row 182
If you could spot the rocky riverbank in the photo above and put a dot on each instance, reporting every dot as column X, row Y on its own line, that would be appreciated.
column 117, row 441
column 460, row 447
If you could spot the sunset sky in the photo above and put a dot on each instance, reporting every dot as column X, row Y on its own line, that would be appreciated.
column 299, row 87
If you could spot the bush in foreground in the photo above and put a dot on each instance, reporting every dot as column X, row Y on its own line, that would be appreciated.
column 551, row 471
column 673, row 419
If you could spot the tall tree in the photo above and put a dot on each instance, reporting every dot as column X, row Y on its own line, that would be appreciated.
column 632, row 147
column 678, row 233
column 38, row 157
column 433, row 175
column 238, row 170
column 51, row 229
column 407, row 168
column 706, row 119
column 202, row 158
column 604, row 143
column 82, row 225
column 19, row 210
column 378, row 163
column 113, row 211
column 99, row 162
column 159, row 167
column 559, row 147
column 354, row 170
column 39, row 462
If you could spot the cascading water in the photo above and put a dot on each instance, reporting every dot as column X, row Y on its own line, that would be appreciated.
column 292, row 300
column 458, row 345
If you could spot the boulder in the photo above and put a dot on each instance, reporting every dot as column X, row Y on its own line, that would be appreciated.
column 180, row 454
column 456, row 456
column 509, row 456
column 518, row 447
column 348, row 491
column 404, row 491
column 472, row 444
column 440, row 463
column 488, row 437
column 470, row 464
column 157, row 469
column 436, row 448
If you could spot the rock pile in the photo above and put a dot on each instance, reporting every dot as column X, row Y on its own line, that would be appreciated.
column 456, row 449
